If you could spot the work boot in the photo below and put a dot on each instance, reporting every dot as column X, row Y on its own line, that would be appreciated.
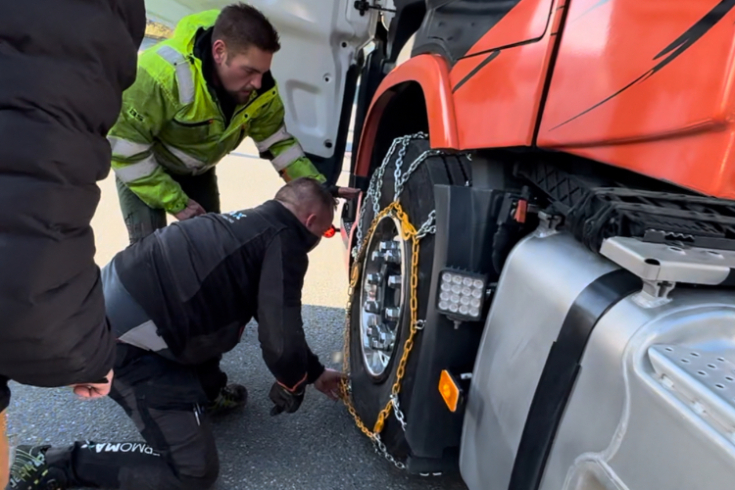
column 230, row 397
column 30, row 471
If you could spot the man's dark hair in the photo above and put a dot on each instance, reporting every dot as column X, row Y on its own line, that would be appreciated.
column 241, row 26
column 305, row 190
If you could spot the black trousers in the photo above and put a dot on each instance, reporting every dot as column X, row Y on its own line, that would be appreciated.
column 164, row 399
column 142, row 220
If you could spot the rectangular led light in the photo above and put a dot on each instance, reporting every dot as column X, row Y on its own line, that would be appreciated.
column 461, row 294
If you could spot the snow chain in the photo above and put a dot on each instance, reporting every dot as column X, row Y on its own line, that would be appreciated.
column 408, row 232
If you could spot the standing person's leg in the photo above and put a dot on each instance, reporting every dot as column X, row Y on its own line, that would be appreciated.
column 4, row 452
column 203, row 189
column 163, row 399
column 140, row 219
column 4, row 449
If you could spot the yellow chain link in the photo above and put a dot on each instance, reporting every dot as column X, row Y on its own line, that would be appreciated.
column 408, row 232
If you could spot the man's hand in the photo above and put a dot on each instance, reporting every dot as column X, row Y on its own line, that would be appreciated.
column 285, row 400
column 329, row 383
column 192, row 209
column 347, row 192
column 94, row 390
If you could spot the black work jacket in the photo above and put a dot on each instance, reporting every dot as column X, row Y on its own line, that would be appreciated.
column 201, row 280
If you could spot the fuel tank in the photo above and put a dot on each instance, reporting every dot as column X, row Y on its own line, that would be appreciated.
column 611, row 370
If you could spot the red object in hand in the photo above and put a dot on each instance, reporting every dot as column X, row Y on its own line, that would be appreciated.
column 330, row 232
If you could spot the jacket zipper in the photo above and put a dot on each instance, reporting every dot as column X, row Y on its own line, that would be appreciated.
column 237, row 112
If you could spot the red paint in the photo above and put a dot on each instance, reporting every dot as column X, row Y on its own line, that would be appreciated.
column 675, row 124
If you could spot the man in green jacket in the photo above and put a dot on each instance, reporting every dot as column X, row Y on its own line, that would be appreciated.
column 196, row 97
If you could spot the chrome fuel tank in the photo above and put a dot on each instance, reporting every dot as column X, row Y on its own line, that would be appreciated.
column 593, row 373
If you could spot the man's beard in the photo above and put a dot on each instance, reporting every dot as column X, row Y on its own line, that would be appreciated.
column 241, row 97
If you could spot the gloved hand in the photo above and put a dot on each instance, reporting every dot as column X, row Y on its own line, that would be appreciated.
column 286, row 400
column 343, row 192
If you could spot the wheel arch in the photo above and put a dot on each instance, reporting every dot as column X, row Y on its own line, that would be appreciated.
column 415, row 96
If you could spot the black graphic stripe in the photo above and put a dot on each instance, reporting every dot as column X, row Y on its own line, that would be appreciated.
column 497, row 50
column 642, row 77
column 456, row 26
column 672, row 51
column 519, row 43
column 474, row 71
column 560, row 373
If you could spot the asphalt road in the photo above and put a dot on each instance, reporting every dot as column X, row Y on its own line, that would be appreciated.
column 318, row 447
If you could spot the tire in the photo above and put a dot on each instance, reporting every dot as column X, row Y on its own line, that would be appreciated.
column 371, row 393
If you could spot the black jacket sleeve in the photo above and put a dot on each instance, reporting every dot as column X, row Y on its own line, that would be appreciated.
column 280, row 326
column 63, row 67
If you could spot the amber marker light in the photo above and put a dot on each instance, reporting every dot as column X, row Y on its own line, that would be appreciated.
column 449, row 390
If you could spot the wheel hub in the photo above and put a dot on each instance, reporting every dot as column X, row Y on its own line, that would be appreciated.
column 382, row 295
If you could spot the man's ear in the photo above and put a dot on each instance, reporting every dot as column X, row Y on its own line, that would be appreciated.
column 219, row 51
column 310, row 220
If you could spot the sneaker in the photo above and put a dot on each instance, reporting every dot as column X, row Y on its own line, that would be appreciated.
column 29, row 470
column 231, row 397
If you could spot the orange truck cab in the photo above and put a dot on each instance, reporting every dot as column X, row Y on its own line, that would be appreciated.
column 645, row 87
column 565, row 135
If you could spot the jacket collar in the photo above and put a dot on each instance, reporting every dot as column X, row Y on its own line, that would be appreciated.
column 203, row 51
column 285, row 216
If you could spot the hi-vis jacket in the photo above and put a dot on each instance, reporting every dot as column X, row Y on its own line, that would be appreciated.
column 172, row 122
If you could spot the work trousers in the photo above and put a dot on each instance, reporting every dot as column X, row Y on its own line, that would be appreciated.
column 142, row 220
column 164, row 399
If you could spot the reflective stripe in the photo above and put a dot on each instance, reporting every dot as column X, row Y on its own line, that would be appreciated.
column 126, row 148
column 171, row 55
column 188, row 160
column 184, row 78
column 280, row 135
column 129, row 173
column 288, row 157
column 145, row 336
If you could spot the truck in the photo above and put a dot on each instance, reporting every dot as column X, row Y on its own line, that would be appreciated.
column 541, row 262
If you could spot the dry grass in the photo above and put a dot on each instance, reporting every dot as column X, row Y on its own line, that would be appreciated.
column 158, row 31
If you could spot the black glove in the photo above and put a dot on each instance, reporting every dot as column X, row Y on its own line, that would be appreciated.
column 332, row 188
column 286, row 400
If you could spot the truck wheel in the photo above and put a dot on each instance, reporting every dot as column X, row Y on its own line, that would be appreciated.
column 380, row 311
